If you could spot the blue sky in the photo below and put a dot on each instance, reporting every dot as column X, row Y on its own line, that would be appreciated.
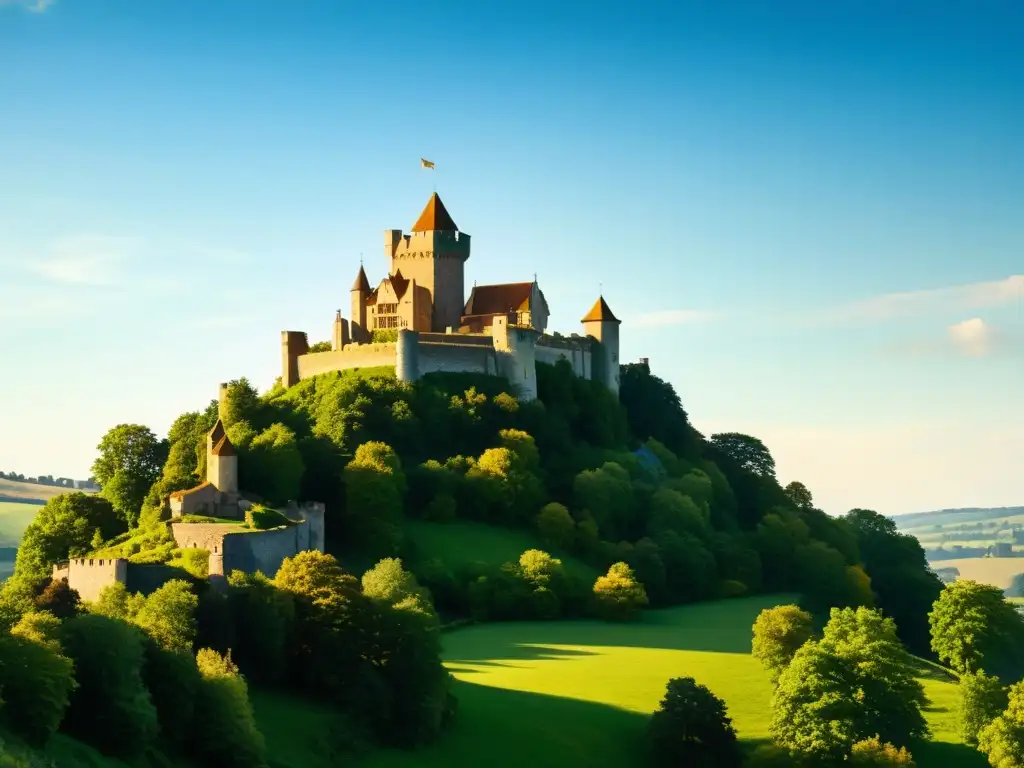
column 809, row 218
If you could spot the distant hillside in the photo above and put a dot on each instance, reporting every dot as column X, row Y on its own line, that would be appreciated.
column 30, row 493
column 946, row 517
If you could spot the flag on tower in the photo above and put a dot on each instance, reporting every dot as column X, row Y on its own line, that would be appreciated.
column 426, row 163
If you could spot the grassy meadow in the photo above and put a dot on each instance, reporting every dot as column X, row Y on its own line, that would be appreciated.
column 14, row 490
column 578, row 693
column 997, row 571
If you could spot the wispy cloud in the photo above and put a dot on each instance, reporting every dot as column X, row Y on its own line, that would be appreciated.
column 35, row 6
column 974, row 338
column 667, row 317
column 971, row 296
column 87, row 259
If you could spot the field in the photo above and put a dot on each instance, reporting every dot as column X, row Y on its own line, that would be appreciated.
column 461, row 543
column 14, row 519
column 578, row 693
column 13, row 490
column 997, row 571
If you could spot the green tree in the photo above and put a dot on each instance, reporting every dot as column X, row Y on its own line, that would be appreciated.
column 748, row 452
column 375, row 488
column 691, row 727
column 905, row 587
column 1002, row 740
column 272, row 465
column 63, row 528
column 555, row 525
column 799, row 494
column 129, row 462
column 653, row 409
column 618, row 595
column 168, row 616
column 975, row 628
column 855, row 683
column 779, row 633
column 225, row 726
column 982, row 699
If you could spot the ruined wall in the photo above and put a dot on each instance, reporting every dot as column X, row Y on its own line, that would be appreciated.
column 352, row 356
column 457, row 357
column 312, row 534
column 89, row 576
column 261, row 551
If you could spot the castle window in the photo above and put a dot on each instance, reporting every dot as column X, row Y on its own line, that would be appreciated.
column 387, row 309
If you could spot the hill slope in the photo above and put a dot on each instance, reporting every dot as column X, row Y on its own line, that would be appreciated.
column 578, row 693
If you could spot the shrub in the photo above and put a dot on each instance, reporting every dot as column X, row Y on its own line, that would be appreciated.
column 618, row 595
column 168, row 616
column 691, row 727
column 872, row 753
column 778, row 634
column 194, row 561
column 261, row 518
column 224, row 726
column 59, row 599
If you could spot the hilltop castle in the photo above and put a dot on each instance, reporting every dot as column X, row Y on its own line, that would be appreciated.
column 419, row 320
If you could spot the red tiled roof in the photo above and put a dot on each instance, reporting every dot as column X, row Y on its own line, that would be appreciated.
column 435, row 217
column 499, row 299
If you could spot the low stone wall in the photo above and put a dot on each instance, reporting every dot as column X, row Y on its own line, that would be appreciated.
column 352, row 356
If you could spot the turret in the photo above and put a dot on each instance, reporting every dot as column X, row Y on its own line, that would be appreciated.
column 360, row 293
column 222, row 464
column 600, row 324
column 339, row 336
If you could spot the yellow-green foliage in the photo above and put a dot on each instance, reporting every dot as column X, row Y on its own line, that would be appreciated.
column 140, row 545
column 872, row 753
column 193, row 561
column 619, row 596
column 779, row 633
column 261, row 518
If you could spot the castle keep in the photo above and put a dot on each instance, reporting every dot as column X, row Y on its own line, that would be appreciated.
column 419, row 320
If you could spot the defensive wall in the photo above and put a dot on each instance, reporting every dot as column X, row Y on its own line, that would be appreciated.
column 509, row 349
column 88, row 576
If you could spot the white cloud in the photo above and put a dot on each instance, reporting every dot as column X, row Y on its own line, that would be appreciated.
column 669, row 317
column 35, row 6
column 981, row 295
column 86, row 259
column 971, row 337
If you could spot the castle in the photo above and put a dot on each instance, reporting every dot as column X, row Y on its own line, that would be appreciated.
column 418, row 320
column 230, row 545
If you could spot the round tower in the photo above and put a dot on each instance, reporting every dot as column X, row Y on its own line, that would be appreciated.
column 600, row 324
column 407, row 355
column 360, row 293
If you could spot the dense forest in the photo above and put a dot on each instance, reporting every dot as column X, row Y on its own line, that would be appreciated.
column 625, row 485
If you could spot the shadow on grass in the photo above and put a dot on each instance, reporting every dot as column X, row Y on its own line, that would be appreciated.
column 499, row 727
column 513, row 652
column 722, row 626
column 941, row 754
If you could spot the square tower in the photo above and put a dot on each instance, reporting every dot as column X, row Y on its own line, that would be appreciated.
column 434, row 255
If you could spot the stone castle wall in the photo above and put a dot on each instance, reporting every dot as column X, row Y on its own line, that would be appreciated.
column 89, row 576
column 352, row 356
column 455, row 358
column 264, row 550
column 551, row 349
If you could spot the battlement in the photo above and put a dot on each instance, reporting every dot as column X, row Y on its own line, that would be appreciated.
column 89, row 576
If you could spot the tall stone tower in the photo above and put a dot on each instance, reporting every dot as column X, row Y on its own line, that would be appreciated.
column 434, row 255
column 357, row 320
column 603, row 326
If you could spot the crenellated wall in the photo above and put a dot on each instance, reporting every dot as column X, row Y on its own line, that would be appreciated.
column 89, row 576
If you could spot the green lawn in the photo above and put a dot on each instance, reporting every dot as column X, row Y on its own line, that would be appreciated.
column 462, row 543
column 14, row 519
column 578, row 693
